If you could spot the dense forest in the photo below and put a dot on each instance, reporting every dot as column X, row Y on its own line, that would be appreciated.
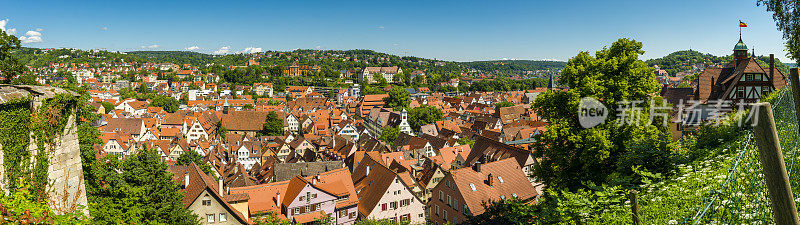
column 327, row 60
column 194, row 58
column 684, row 60
column 515, row 66
column 38, row 57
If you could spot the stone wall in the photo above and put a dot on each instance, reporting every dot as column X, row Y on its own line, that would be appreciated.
column 66, row 187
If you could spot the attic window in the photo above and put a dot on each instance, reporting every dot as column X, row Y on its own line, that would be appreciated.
column 500, row 179
column 472, row 186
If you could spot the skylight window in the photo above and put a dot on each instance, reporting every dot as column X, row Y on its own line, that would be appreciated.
column 500, row 179
column 471, row 185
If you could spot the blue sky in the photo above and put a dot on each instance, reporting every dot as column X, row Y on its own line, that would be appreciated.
column 449, row 30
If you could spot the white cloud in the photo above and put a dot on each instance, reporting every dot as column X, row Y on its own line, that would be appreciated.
column 193, row 48
column 381, row 27
column 318, row 47
column 10, row 31
column 223, row 50
column 31, row 37
column 150, row 46
column 39, row 29
column 104, row 28
column 33, row 33
column 395, row 44
column 251, row 50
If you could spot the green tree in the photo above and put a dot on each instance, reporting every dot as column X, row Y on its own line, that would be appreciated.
column 25, row 79
column 107, row 106
column 785, row 15
column 273, row 126
column 220, row 130
column 380, row 80
column 510, row 211
column 503, row 104
column 184, row 99
column 137, row 190
column 423, row 115
column 572, row 155
column 10, row 67
column 466, row 141
column 389, row 134
column 189, row 157
column 167, row 103
column 398, row 98
column 248, row 106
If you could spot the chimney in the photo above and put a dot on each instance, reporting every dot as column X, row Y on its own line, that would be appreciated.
column 489, row 180
column 220, row 189
column 771, row 66
column 314, row 180
column 278, row 198
column 477, row 167
column 368, row 170
column 185, row 180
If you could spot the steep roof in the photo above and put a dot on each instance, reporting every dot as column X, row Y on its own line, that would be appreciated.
column 124, row 125
column 286, row 171
column 198, row 183
column 485, row 147
column 371, row 180
column 507, row 180
column 244, row 120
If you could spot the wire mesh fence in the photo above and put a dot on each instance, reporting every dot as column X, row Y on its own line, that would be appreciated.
column 742, row 197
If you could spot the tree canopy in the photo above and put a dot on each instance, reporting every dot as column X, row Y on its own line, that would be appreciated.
column 389, row 134
column 423, row 115
column 10, row 67
column 785, row 15
column 138, row 189
column 273, row 126
column 167, row 103
column 573, row 156
column 503, row 104
column 189, row 157
column 398, row 98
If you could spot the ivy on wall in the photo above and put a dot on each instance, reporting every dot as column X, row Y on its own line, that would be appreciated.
column 14, row 137
column 46, row 124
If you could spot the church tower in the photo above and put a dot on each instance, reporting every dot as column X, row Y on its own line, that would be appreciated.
column 739, row 52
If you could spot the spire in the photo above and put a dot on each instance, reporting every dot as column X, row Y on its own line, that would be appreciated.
column 550, row 83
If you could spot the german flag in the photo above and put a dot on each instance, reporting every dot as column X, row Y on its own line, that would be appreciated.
column 742, row 24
